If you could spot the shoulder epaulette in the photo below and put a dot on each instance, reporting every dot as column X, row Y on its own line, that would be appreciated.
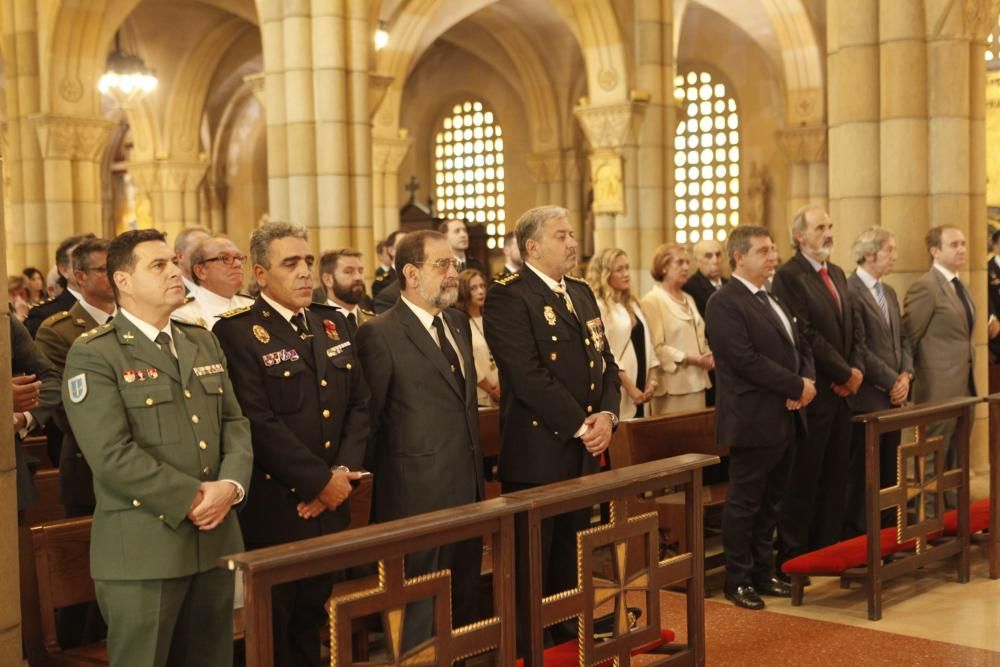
column 43, row 302
column 52, row 319
column 96, row 331
column 234, row 312
column 365, row 311
column 379, row 278
column 575, row 279
column 507, row 280
column 318, row 305
column 197, row 325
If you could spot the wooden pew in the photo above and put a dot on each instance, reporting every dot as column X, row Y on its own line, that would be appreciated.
column 46, row 507
column 37, row 447
column 654, row 438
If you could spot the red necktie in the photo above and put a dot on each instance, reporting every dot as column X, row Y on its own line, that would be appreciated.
column 825, row 275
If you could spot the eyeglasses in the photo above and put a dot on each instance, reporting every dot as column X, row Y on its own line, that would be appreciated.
column 441, row 265
column 226, row 259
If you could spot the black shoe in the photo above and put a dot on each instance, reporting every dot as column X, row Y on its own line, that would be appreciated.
column 745, row 597
column 774, row 587
column 787, row 579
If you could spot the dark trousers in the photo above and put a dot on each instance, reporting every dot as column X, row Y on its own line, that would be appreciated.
column 854, row 521
column 298, row 612
column 758, row 477
column 464, row 559
column 558, row 557
column 812, row 515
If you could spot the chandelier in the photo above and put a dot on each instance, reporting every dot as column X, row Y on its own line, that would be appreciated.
column 126, row 77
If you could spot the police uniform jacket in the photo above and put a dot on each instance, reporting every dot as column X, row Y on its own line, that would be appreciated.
column 47, row 309
column 54, row 338
column 555, row 371
column 307, row 404
column 153, row 429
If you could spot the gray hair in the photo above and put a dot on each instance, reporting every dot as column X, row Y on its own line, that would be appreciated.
column 869, row 242
column 263, row 236
column 740, row 240
column 531, row 221
column 799, row 222
column 185, row 238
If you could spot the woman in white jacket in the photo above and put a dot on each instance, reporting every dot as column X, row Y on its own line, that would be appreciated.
column 625, row 328
column 678, row 334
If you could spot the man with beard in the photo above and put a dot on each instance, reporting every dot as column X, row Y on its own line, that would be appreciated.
column 297, row 380
column 815, row 291
column 217, row 275
column 424, row 445
column 343, row 282
column 561, row 389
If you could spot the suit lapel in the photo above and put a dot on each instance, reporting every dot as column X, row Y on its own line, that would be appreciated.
column 952, row 296
column 818, row 283
column 464, row 350
column 421, row 338
column 552, row 299
column 768, row 312
column 187, row 353
column 871, row 304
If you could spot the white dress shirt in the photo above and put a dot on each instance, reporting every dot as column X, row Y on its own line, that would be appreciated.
column 774, row 305
column 99, row 315
column 206, row 306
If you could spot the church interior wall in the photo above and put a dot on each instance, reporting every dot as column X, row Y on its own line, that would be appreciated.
column 710, row 41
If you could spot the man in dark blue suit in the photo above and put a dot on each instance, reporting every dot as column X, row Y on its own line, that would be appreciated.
column 766, row 378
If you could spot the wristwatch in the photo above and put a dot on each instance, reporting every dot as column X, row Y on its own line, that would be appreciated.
column 614, row 419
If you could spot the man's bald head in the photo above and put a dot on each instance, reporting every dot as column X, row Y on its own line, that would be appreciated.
column 708, row 255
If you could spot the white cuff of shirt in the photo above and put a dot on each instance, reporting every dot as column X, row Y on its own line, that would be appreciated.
column 580, row 431
column 29, row 423
column 240, row 491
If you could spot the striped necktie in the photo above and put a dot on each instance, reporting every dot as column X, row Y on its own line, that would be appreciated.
column 880, row 297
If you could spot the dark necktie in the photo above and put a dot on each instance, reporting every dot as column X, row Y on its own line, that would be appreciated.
column 762, row 297
column 825, row 275
column 299, row 323
column 963, row 296
column 352, row 324
column 449, row 352
column 163, row 340
column 110, row 317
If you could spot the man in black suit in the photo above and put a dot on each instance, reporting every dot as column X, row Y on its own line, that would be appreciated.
column 705, row 282
column 993, row 325
column 66, row 298
column 815, row 291
column 297, row 379
column 511, row 256
column 766, row 378
column 888, row 365
column 458, row 236
column 424, row 445
column 561, row 388
column 387, row 277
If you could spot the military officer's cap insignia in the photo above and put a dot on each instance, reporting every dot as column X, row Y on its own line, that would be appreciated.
column 129, row 376
column 550, row 315
column 260, row 333
column 80, row 321
column 77, row 387
column 331, row 330
column 128, row 335
column 266, row 313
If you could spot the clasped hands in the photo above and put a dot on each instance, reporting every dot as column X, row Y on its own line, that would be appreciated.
column 332, row 496
column 808, row 394
column 597, row 437
column 211, row 504
column 851, row 386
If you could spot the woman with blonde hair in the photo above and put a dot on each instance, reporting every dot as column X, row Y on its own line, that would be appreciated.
column 625, row 328
column 471, row 297
column 678, row 334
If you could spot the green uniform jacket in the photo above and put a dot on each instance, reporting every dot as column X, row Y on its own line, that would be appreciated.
column 151, row 438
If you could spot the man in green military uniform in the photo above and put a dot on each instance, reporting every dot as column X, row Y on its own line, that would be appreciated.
column 155, row 415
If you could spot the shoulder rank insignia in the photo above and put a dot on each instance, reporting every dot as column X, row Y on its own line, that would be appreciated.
column 260, row 333
column 506, row 280
column 235, row 311
column 366, row 312
column 575, row 279
column 58, row 317
column 98, row 330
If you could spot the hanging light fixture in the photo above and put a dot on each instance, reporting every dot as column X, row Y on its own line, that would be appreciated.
column 381, row 35
column 126, row 77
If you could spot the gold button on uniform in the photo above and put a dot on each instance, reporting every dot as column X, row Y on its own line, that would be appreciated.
column 348, row 367
column 327, row 444
column 162, row 518
column 553, row 356
column 187, row 393
column 534, row 423
column 202, row 445
column 136, row 503
column 205, row 471
column 322, row 383
column 592, row 386
column 267, row 475
column 149, row 401
column 194, row 419
column 287, row 374
column 555, row 339
column 586, row 341
column 590, row 408
column 326, row 414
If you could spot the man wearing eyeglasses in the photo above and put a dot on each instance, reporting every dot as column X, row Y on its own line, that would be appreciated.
column 217, row 272
column 424, row 444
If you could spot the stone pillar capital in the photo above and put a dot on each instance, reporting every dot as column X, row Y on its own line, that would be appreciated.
column 609, row 126
column 547, row 166
column 72, row 137
column 255, row 82
column 167, row 176
column 979, row 18
column 378, row 86
column 805, row 144
column 388, row 152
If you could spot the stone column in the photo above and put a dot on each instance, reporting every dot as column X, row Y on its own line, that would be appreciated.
column 318, row 132
column 26, row 233
column 654, row 153
column 805, row 151
column 172, row 187
column 610, row 130
column 547, row 167
column 572, row 191
column 387, row 155
column 72, row 148
column 854, row 119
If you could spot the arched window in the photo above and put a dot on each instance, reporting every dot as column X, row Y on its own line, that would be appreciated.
column 706, row 160
column 469, row 171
